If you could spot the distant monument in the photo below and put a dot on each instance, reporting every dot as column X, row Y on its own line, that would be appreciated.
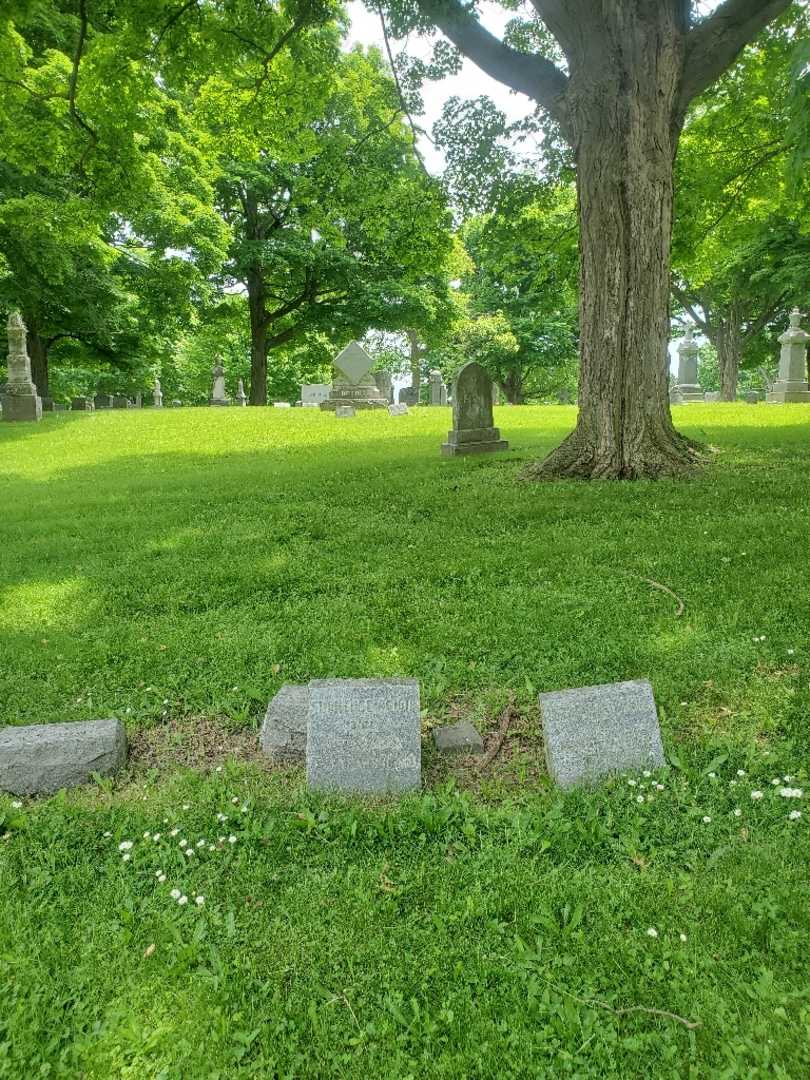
column 157, row 394
column 219, row 395
column 20, row 399
column 241, row 396
column 791, row 385
column 351, row 382
column 687, row 384
column 473, row 430
column 438, row 391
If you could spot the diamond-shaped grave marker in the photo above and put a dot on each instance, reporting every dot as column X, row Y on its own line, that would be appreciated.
column 354, row 362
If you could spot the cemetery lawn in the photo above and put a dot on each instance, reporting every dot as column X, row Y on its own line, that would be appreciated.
column 174, row 569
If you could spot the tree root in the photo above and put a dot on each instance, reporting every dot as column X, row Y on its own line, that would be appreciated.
column 578, row 458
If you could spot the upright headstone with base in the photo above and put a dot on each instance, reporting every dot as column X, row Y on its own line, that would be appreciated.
column 438, row 391
column 20, row 398
column 219, row 395
column 315, row 393
column 241, row 396
column 791, row 384
column 688, row 385
column 103, row 401
column 473, row 431
column 352, row 383
column 385, row 384
column 82, row 404
column 121, row 402
column 594, row 731
column 157, row 394
column 409, row 395
column 363, row 735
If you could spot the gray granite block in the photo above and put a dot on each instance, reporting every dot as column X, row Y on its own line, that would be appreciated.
column 343, row 411
column 363, row 735
column 42, row 758
column 593, row 731
column 284, row 731
column 458, row 739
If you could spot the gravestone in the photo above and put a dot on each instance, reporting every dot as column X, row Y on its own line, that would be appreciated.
column 594, row 731
column 20, row 398
column 284, row 731
column 460, row 738
column 48, row 404
column 752, row 397
column 688, row 369
column 352, row 383
column 438, row 391
column 281, row 405
column 103, row 401
column 82, row 404
column 496, row 393
column 473, row 431
column 177, row 404
column 363, row 735
column 343, row 412
column 42, row 758
column 564, row 396
column 120, row 402
column 315, row 393
column 409, row 395
column 219, row 395
column 385, row 384
column 241, row 396
column 139, row 400
column 157, row 394
column 398, row 410
column 675, row 395
column 791, row 384
column 711, row 395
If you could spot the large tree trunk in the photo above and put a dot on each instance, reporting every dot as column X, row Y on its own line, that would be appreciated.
column 38, row 353
column 513, row 387
column 625, row 143
column 416, row 354
column 258, row 337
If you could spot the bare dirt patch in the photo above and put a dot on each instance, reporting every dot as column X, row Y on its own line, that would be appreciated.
column 197, row 742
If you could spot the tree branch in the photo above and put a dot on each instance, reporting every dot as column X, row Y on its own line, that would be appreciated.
column 534, row 76
column 714, row 44
column 398, row 85
column 74, row 78
column 686, row 302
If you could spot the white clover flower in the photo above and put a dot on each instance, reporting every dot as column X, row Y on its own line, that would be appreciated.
column 646, row 773
column 706, row 819
column 165, row 821
column 16, row 804
column 201, row 843
column 125, row 845
column 682, row 937
column 639, row 798
column 199, row 900
column 712, row 775
column 737, row 812
column 776, row 781
column 791, row 792
column 186, row 806
column 652, row 932
column 791, row 652
column 659, row 787
column 107, row 835
column 220, row 839
column 244, row 809
column 787, row 779
column 756, row 795
column 147, row 836
column 175, row 894
column 740, row 772
column 632, row 783
column 221, row 817
column 794, row 815
column 182, row 900
column 162, row 878
column 156, row 837
column 212, row 847
column 126, row 857
column 158, row 873
column 174, row 832
column 231, row 839
column 189, row 851
column 184, row 843
column 165, row 701
column 218, row 768
column 235, row 799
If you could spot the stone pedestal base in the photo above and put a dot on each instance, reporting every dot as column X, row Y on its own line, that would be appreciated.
column 353, row 403
column 22, row 407
column 784, row 392
column 690, row 392
column 473, row 441
column 212, row 401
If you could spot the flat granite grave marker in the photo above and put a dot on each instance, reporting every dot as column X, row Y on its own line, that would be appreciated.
column 461, row 738
column 473, row 431
column 400, row 409
column 594, row 731
column 343, row 411
column 284, row 731
column 363, row 735
column 42, row 758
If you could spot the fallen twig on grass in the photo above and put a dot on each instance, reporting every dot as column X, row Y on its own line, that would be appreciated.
column 595, row 1003
column 507, row 716
column 668, row 591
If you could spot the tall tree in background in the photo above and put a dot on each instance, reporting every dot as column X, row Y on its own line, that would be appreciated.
column 631, row 71
column 741, row 243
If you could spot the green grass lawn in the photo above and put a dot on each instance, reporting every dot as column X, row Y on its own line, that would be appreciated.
column 175, row 568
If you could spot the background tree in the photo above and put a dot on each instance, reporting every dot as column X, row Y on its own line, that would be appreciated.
column 741, row 243
column 631, row 72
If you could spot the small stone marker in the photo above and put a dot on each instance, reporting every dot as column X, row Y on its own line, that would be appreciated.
column 398, row 410
column 20, row 399
column 473, row 431
column 458, row 739
column 281, row 405
column 792, row 382
column 343, row 411
column 42, row 758
column 594, row 731
column 82, row 404
column 315, row 393
column 241, row 396
column 284, row 731
column 363, row 735
column 157, row 394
